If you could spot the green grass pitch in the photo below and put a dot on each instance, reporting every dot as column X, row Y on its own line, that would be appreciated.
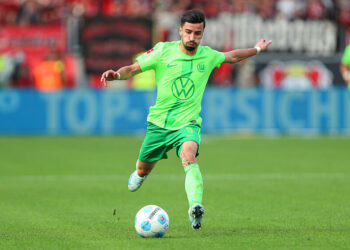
column 259, row 193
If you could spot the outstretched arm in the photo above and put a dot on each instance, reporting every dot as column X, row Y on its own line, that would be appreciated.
column 123, row 73
column 238, row 55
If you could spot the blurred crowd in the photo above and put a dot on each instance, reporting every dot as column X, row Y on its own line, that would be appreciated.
column 55, row 65
column 46, row 12
column 311, row 9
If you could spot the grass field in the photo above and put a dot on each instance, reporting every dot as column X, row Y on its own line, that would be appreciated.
column 260, row 193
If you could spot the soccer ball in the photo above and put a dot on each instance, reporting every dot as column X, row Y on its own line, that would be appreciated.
column 151, row 221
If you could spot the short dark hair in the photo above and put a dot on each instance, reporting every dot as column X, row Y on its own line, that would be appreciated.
column 193, row 16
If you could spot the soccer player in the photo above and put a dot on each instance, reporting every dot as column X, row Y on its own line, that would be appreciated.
column 182, row 71
column 345, row 66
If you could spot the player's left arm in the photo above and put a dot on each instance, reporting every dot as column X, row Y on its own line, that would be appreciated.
column 238, row 55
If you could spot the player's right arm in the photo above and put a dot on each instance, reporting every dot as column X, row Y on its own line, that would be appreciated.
column 123, row 73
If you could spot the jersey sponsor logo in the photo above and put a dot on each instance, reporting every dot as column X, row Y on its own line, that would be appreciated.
column 201, row 67
column 183, row 88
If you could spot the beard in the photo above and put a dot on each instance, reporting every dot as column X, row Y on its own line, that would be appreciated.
column 190, row 48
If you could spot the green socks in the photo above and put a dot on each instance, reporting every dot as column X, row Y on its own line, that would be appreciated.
column 193, row 184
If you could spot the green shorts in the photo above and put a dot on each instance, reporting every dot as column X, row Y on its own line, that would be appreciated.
column 158, row 141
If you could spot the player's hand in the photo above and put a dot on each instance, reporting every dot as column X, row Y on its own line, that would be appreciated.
column 108, row 75
column 263, row 44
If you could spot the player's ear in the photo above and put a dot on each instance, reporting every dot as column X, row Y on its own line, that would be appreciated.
column 180, row 31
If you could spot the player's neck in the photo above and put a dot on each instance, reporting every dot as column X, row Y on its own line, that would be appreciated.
column 185, row 51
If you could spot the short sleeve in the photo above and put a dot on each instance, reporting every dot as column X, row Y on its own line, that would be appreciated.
column 217, row 58
column 149, row 59
column 346, row 56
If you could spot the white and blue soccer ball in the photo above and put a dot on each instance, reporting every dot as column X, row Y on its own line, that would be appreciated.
column 151, row 221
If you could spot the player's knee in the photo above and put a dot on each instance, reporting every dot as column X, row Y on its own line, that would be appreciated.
column 188, row 153
column 187, row 157
column 189, row 147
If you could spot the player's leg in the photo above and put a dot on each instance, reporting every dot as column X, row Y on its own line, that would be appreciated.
column 140, row 174
column 152, row 150
column 187, row 149
column 193, row 182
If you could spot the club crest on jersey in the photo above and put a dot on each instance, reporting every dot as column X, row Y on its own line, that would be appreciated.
column 201, row 67
column 149, row 51
column 183, row 88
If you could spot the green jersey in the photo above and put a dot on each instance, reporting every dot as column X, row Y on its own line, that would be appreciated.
column 346, row 56
column 181, row 81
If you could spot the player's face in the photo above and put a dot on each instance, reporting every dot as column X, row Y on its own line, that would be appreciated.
column 191, row 35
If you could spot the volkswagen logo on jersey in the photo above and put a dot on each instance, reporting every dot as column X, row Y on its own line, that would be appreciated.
column 183, row 88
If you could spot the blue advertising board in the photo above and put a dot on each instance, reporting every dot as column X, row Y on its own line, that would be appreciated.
column 223, row 110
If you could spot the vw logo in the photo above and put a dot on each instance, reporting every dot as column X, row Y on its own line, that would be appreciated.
column 183, row 88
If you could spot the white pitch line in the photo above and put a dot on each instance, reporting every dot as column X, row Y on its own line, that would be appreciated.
column 175, row 177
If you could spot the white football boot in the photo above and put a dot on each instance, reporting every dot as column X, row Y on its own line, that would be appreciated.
column 195, row 214
column 135, row 181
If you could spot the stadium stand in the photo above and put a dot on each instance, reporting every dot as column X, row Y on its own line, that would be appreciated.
column 25, row 24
